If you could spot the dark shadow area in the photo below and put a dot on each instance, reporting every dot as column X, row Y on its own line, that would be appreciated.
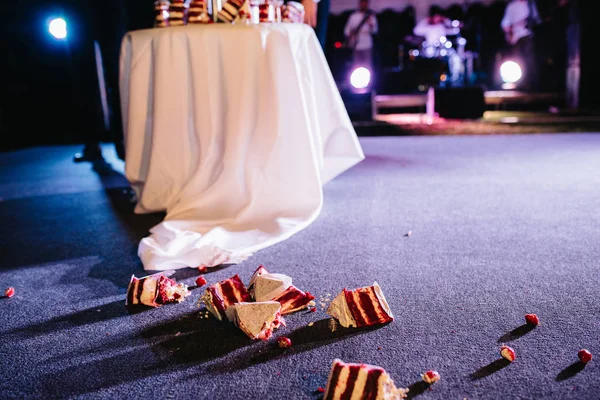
column 516, row 333
column 170, row 346
column 137, row 226
column 193, row 340
column 417, row 389
column 303, row 339
column 380, row 128
column 186, row 273
column 490, row 369
column 92, row 315
column 570, row 371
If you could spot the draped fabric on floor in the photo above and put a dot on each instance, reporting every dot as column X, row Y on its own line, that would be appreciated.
column 233, row 130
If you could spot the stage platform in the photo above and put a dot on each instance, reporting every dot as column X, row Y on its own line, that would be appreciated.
column 494, row 99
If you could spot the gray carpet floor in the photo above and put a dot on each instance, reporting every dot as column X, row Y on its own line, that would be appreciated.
column 501, row 226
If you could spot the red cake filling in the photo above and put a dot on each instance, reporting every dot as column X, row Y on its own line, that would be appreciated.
column 293, row 299
column 228, row 292
column 365, row 307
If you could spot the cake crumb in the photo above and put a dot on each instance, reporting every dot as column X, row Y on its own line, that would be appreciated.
column 408, row 234
column 311, row 323
column 312, row 303
column 379, row 348
column 332, row 325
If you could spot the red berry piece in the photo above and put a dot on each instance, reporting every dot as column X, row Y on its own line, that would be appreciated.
column 508, row 353
column 202, row 269
column 532, row 319
column 10, row 292
column 284, row 342
column 200, row 281
column 314, row 309
column 320, row 390
column 430, row 377
column 584, row 356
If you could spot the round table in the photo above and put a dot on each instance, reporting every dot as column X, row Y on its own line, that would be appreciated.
column 232, row 130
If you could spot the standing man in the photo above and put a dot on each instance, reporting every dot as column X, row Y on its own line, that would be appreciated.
column 103, row 25
column 359, row 31
column 520, row 17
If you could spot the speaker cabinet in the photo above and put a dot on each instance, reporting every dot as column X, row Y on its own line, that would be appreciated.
column 360, row 106
column 460, row 102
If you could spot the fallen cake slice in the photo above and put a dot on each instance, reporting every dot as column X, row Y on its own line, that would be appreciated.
column 256, row 320
column 222, row 295
column 361, row 307
column 265, row 286
column 155, row 290
column 360, row 382
column 293, row 299
column 259, row 272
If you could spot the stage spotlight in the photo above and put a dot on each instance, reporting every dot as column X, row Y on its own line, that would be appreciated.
column 58, row 28
column 510, row 72
column 360, row 78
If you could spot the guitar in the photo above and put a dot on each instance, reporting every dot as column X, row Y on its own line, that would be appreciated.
column 352, row 39
column 509, row 33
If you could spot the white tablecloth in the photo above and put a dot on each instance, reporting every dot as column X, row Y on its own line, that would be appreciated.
column 232, row 130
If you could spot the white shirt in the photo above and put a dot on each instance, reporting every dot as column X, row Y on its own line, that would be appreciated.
column 433, row 33
column 516, row 15
column 365, row 39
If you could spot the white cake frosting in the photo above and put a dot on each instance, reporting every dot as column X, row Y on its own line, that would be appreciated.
column 269, row 286
column 339, row 310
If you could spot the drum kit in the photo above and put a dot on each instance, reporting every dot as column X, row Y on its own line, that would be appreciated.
column 449, row 50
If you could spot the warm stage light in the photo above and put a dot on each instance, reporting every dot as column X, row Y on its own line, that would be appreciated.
column 510, row 72
column 360, row 78
column 58, row 28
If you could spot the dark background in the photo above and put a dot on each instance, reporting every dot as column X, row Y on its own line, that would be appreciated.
column 48, row 90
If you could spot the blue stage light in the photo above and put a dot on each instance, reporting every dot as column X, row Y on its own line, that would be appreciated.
column 58, row 28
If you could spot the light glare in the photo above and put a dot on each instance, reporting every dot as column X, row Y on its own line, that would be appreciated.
column 510, row 72
column 360, row 78
column 58, row 28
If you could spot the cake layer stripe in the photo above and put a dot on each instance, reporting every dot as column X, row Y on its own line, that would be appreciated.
column 350, row 382
column 287, row 296
column 366, row 302
column 139, row 291
column 372, row 385
column 382, row 314
column 241, row 292
column 354, row 310
column 331, row 385
column 217, row 301
column 228, row 290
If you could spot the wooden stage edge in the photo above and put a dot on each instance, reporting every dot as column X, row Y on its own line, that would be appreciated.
column 492, row 97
